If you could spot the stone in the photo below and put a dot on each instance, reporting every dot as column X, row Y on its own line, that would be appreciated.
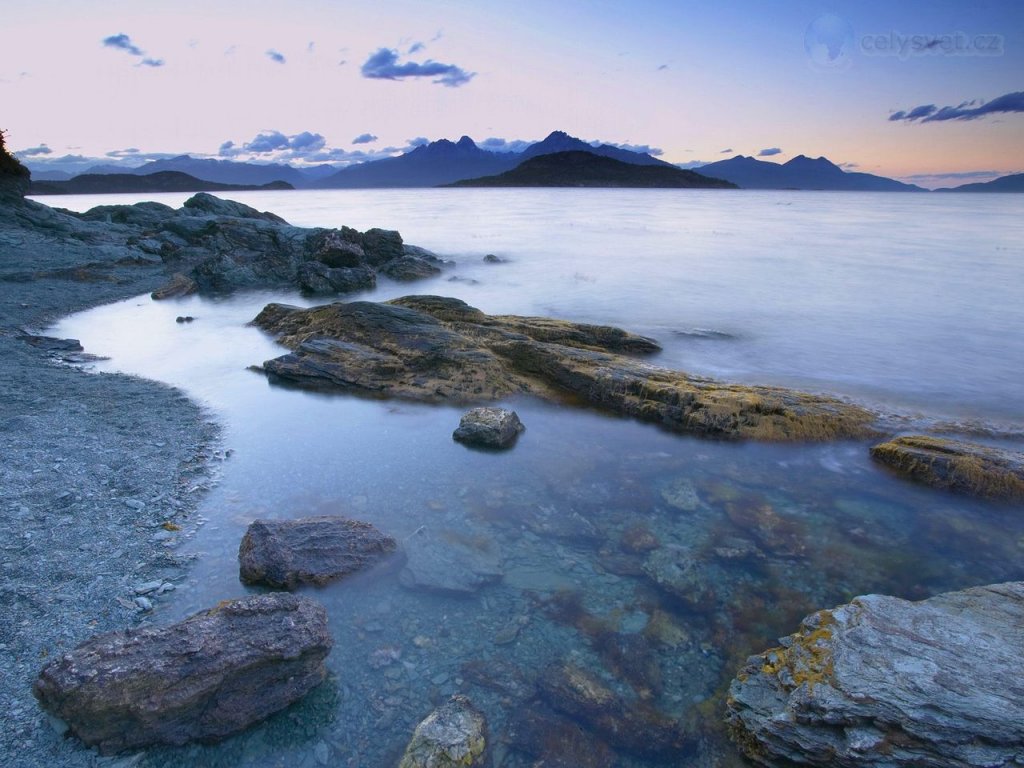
column 631, row 725
column 205, row 203
column 438, row 349
column 178, row 285
column 450, row 562
column 53, row 344
column 317, row 278
column 202, row 679
column 452, row 736
column 882, row 681
column 283, row 554
column 676, row 571
column 555, row 741
column 489, row 428
column 407, row 268
column 955, row 465
column 490, row 258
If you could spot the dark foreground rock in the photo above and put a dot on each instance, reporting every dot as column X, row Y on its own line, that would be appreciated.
column 886, row 682
column 631, row 725
column 203, row 679
column 452, row 736
column 435, row 349
column 314, row 550
column 489, row 428
column 979, row 470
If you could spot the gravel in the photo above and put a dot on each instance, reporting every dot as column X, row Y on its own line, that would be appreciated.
column 94, row 467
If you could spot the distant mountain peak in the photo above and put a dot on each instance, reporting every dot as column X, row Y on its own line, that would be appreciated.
column 466, row 143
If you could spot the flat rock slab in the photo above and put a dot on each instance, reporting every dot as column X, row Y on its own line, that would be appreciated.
column 314, row 550
column 489, row 428
column 887, row 682
column 438, row 349
column 202, row 679
column 450, row 562
column 452, row 736
column 979, row 470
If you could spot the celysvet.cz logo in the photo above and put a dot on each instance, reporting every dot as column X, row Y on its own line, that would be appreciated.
column 832, row 44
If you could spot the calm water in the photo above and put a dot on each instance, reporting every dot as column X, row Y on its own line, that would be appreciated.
column 911, row 303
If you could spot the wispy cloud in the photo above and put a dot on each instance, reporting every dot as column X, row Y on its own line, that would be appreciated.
column 645, row 149
column 967, row 110
column 275, row 56
column 384, row 65
column 266, row 142
column 415, row 48
column 663, row 67
column 726, row 151
column 364, row 138
column 42, row 149
column 124, row 43
column 495, row 144
column 769, row 152
column 419, row 141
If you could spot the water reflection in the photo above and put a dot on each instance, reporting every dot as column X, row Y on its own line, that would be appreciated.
column 653, row 561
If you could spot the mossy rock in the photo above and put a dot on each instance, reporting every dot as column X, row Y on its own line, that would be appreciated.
column 970, row 468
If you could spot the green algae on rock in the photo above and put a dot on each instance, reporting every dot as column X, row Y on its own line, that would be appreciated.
column 437, row 349
column 955, row 465
column 452, row 736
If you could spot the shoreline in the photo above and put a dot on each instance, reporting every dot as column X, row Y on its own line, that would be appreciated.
column 95, row 465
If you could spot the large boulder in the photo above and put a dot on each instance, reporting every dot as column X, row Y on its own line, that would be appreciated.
column 980, row 470
column 489, row 428
column 452, row 736
column 315, row 550
column 202, row 679
column 887, row 682
column 440, row 349
column 315, row 277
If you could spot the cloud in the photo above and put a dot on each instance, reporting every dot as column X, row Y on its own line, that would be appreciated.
column 965, row 175
column 228, row 149
column 124, row 43
column 275, row 56
column 847, row 166
column 495, row 144
column 419, row 141
column 769, row 152
column 364, row 138
column 276, row 146
column 644, row 149
column 415, row 48
column 728, row 151
column 42, row 149
column 123, row 152
column 663, row 67
column 967, row 110
column 383, row 65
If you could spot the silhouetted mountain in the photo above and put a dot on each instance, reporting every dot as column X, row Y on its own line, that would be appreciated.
column 430, row 165
column 444, row 162
column 800, row 173
column 162, row 181
column 560, row 141
column 587, row 169
column 51, row 175
column 219, row 171
column 1012, row 183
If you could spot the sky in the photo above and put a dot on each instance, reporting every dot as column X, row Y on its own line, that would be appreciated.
column 927, row 92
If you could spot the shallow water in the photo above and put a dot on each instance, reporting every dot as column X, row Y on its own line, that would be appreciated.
column 910, row 302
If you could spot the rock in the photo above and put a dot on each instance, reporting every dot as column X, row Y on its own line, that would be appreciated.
column 432, row 348
column 178, row 285
column 630, row 725
column 337, row 248
column 52, row 344
column 555, row 741
column 202, row 679
column 317, row 278
column 381, row 246
column 955, row 465
column 203, row 202
column 407, row 268
column 676, row 571
column 453, row 736
column 315, row 550
column 886, row 682
column 184, row 319
column 450, row 562
column 489, row 428
column 490, row 258
column 681, row 494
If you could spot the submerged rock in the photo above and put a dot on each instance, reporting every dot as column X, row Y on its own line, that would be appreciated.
column 554, row 741
column 452, row 736
column 434, row 348
column 887, row 682
column 450, row 562
column 958, row 466
column 202, row 679
column 313, row 550
column 489, row 428
column 629, row 725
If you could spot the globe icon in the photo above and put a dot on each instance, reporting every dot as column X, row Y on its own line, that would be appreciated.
column 829, row 42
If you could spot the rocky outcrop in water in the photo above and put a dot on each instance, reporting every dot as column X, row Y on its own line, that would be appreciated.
column 887, row 682
column 452, row 736
column 489, row 428
column 979, row 470
column 202, row 679
column 434, row 349
column 315, row 550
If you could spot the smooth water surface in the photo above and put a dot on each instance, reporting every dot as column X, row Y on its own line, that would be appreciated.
column 657, row 562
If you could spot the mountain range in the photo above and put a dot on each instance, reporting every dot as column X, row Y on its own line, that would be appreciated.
column 1012, row 183
column 586, row 169
column 445, row 162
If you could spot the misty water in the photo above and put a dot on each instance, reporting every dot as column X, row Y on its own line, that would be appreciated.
column 910, row 304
